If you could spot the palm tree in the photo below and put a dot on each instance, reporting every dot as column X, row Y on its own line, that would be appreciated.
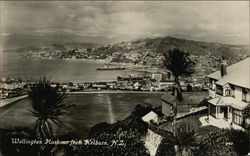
column 179, row 63
column 48, row 106
column 185, row 138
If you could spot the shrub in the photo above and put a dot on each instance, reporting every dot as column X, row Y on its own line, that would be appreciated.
column 184, row 138
column 130, row 130
column 166, row 148
column 99, row 129
column 129, row 143
column 224, row 142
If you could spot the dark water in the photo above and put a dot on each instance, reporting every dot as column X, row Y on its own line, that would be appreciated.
column 90, row 109
column 15, row 65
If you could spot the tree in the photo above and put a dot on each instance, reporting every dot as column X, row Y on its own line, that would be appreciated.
column 166, row 147
column 185, row 139
column 224, row 142
column 179, row 63
column 181, row 140
column 128, row 133
column 120, row 143
column 48, row 105
column 246, row 118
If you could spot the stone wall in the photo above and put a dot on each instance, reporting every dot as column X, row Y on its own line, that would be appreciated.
column 152, row 142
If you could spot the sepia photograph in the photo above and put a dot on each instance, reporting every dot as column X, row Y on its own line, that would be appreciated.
column 124, row 78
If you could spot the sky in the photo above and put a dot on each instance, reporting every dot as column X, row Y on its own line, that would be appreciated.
column 212, row 21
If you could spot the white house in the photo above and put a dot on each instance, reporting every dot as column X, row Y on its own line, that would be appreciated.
column 230, row 96
column 151, row 116
column 157, row 76
column 167, row 84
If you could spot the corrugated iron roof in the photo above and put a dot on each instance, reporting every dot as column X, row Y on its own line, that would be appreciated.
column 189, row 98
column 237, row 74
column 229, row 101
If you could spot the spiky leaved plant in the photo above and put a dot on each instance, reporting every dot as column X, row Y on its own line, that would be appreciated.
column 179, row 63
column 48, row 105
column 185, row 138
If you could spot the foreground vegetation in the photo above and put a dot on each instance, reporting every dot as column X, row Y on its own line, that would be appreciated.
column 124, row 137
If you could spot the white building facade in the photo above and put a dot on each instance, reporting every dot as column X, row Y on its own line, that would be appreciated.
column 229, row 90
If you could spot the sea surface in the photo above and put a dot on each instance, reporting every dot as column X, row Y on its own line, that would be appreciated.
column 15, row 65
column 90, row 109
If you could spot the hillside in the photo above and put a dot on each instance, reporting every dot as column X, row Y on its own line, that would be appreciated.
column 15, row 41
column 144, row 50
column 147, row 51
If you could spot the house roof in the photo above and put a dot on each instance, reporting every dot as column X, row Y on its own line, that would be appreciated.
column 189, row 98
column 237, row 74
column 151, row 115
column 228, row 101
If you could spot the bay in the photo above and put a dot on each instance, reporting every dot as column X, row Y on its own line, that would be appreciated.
column 15, row 65
column 90, row 109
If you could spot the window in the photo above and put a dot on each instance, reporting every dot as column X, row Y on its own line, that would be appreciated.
column 244, row 94
column 211, row 84
column 232, row 93
column 219, row 90
column 244, row 97
column 232, row 87
column 212, row 109
column 228, row 92
column 237, row 117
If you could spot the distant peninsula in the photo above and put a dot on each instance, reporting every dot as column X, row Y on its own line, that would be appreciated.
column 146, row 51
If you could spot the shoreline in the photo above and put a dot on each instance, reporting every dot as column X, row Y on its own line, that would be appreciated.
column 113, row 92
column 68, row 59
column 5, row 102
column 129, row 65
column 8, row 101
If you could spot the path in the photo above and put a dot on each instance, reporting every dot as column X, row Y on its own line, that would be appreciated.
column 4, row 102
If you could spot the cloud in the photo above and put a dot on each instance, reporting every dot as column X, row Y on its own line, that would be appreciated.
column 135, row 18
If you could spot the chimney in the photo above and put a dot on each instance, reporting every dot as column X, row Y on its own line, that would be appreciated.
column 223, row 68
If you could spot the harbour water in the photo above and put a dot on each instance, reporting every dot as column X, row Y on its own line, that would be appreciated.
column 15, row 65
column 90, row 109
